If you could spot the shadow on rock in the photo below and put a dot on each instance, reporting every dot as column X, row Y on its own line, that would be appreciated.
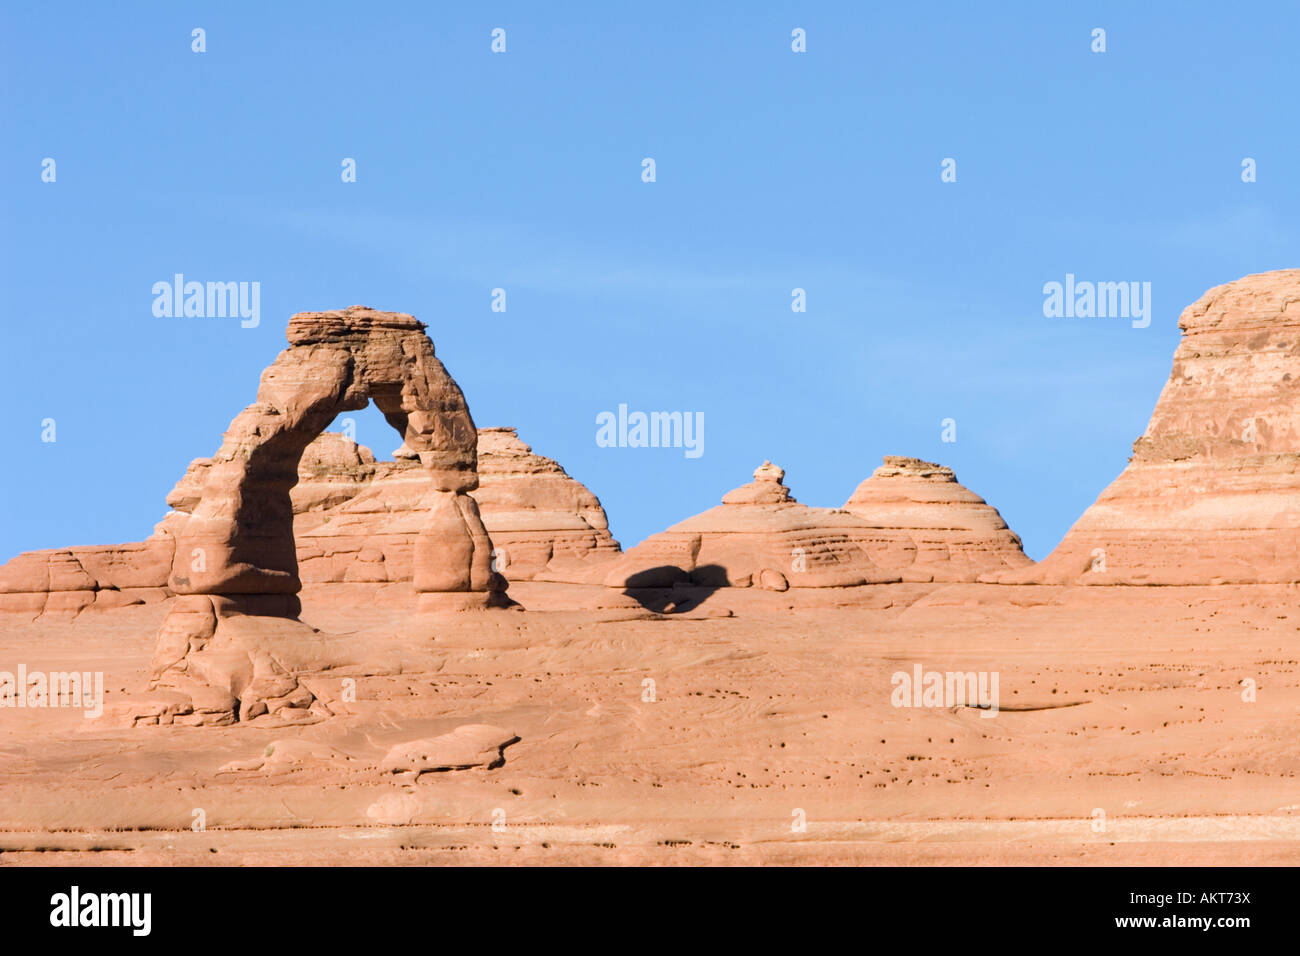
column 669, row 589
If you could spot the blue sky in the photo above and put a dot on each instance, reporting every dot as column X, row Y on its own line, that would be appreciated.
column 522, row 171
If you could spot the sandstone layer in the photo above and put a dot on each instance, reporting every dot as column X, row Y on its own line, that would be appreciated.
column 924, row 524
column 1125, row 699
column 1211, row 494
column 70, row 580
column 544, row 524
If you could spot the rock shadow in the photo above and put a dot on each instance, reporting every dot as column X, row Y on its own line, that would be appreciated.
column 668, row 589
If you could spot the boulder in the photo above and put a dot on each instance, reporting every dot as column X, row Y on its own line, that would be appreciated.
column 472, row 745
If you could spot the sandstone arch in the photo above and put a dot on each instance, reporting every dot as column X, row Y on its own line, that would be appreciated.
column 231, row 644
column 239, row 538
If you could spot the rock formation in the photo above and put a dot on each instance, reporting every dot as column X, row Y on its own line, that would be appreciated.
column 544, row 524
column 69, row 580
column 473, row 745
column 468, row 746
column 239, row 538
column 235, row 567
column 924, row 524
column 1211, row 494
column 759, row 536
column 356, row 520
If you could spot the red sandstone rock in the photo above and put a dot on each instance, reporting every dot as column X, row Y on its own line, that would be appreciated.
column 239, row 537
column 292, row 754
column 543, row 524
column 237, row 546
column 471, row 745
column 926, row 525
column 71, row 579
column 760, row 537
column 1212, row 492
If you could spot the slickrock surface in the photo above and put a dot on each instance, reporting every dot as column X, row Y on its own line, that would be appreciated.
column 758, row 537
column 473, row 745
column 757, row 722
column 468, row 746
column 1212, row 492
column 927, row 526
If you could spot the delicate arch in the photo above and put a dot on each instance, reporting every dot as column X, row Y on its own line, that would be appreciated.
column 239, row 538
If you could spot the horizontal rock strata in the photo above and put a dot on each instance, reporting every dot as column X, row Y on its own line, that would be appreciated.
column 758, row 537
column 923, row 523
